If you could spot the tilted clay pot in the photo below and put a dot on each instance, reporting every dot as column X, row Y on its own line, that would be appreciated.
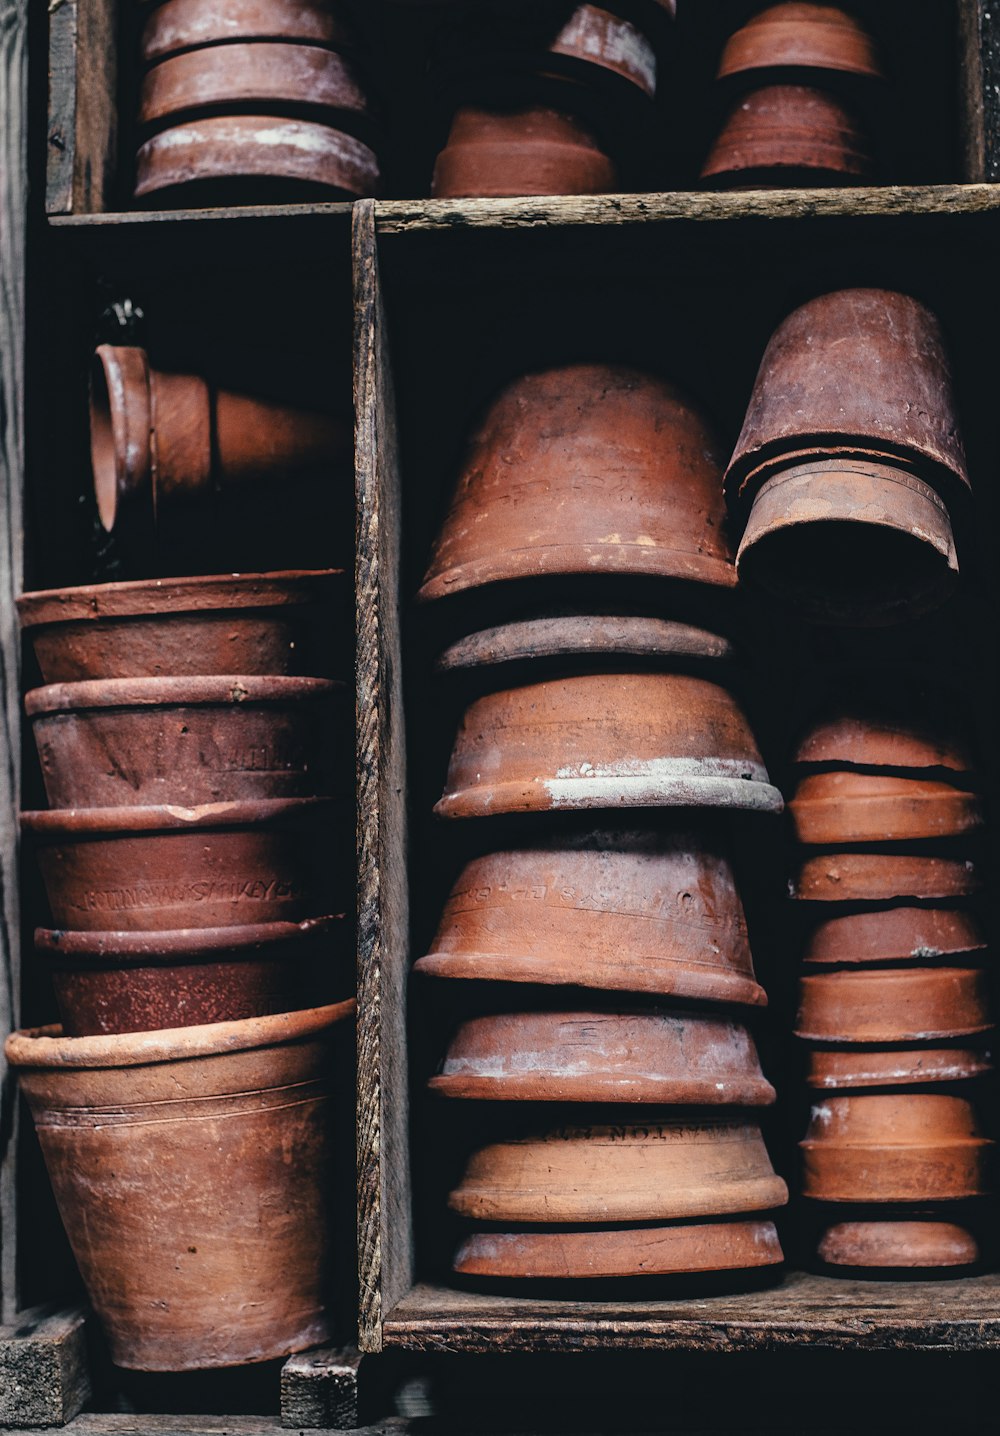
column 894, row 1243
column 916, row 1004
column 188, row 24
column 159, row 438
column 665, row 1168
column 596, row 37
column 882, row 877
column 219, row 865
column 579, row 635
column 905, row 1147
column 606, row 740
column 253, row 623
column 849, row 807
column 834, row 1069
column 494, row 153
column 801, row 37
column 887, row 722
column 139, row 981
column 639, row 1251
column 788, row 135
column 174, row 1154
column 895, row 934
column 639, row 1056
column 586, row 469
column 651, row 911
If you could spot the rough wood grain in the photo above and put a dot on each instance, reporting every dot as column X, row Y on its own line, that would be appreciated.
column 44, row 1373
column 112, row 1424
column 319, row 1390
column 979, row 89
column 140, row 218
column 83, row 119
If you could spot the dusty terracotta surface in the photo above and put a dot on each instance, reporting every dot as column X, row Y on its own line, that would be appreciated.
column 894, row 934
column 831, row 1069
column 270, row 623
column 576, row 1056
column 586, row 469
column 801, row 37
column 915, row 1004
column 905, row 1147
column 605, row 740
column 882, row 877
column 661, row 1169
column 649, row 911
column 595, row 36
column 894, row 721
column 789, row 134
column 578, row 635
column 498, row 153
column 641, row 1251
column 161, row 1242
column 899, row 1244
column 853, row 807
column 186, row 24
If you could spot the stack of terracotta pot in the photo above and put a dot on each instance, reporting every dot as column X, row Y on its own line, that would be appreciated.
column 894, row 1003
column 795, row 73
column 599, row 754
column 190, row 739
column 267, row 93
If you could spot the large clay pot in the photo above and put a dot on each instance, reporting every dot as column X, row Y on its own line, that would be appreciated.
column 797, row 36
column 881, row 1005
column 786, row 135
column 653, row 911
column 849, row 807
column 492, row 153
column 139, row 981
column 193, row 1172
column 219, row 865
column 180, row 25
column 141, row 741
column 899, row 1244
column 892, row 721
column 587, row 469
column 895, row 934
column 883, row 878
column 270, row 623
column 834, row 1069
column 638, row 1056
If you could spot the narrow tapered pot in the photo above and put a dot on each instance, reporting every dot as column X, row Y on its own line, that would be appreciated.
column 497, row 153
column 888, row 720
column 796, row 36
column 844, row 808
column 650, row 911
column 188, row 24
column 895, row 934
column 882, row 877
column 638, row 1056
column 786, row 135
column 901, row 1244
column 854, row 1067
column 918, row 1004
column 174, row 1154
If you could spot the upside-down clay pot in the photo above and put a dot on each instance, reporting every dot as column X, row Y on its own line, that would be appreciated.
column 796, row 36
column 174, row 1155
column 652, row 911
column 267, row 624
column 894, row 1243
column 666, row 1168
column 882, row 877
column 640, row 1056
column 916, row 1004
column 895, row 934
column 787, row 135
column 596, row 38
column 898, row 1147
column 832, row 1069
column 493, row 153
column 849, row 807
column 180, row 25
column 586, row 469
column 888, row 723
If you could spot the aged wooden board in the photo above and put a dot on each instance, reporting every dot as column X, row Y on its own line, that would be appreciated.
column 979, row 49
column 44, row 1372
column 113, row 1424
column 319, row 1390
column 83, row 122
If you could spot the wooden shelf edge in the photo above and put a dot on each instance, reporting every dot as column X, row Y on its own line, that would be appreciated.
column 140, row 218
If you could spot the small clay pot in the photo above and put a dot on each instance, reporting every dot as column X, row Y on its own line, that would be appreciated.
column 844, row 808
column 654, row 911
column 180, row 25
column 786, row 135
column 142, row 741
column 889, row 722
column 140, row 981
column 595, row 37
column 895, row 934
column 219, row 865
column 905, row 1147
column 688, row 1248
column 580, row 635
column 639, row 1056
column 662, row 1169
column 881, row 1005
column 833, row 1069
column 882, row 877
column 894, row 1244
column 172, row 1155
column 587, row 469
column 270, row 623
column 493, row 154
column 800, row 36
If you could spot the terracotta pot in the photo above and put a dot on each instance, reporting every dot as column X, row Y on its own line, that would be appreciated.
column 905, row 1147
column 188, row 24
column 893, row 1244
column 895, row 934
column 217, row 149
column 638, row 1056
column 159, row 438
column 270, row 623
column 587, row 469
column 888, row 721
column 654, row 911
column 915, row 1004
column 789, row 135
column 638, row 1251
column 142, row 741
column 140, row 981
column 842, row 1069
column 661, row 1169
column 497, row 153
column 850, row 807
column 594, row 37
column 578, row 635
column 172, row 1155
column 219, row 865
column 598, row 740
column 882, row 877
column 801, row 37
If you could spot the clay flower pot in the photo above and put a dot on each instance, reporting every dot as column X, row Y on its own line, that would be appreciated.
column 655, row 911
column 832, row 1069
column 685, row 1249
column 882, row 877
column 905, row 1147
column 787, row 135
column 801, row 37
column 270, row 623
column 579, row 636
column 895, row 934
column 139, row 741
column 663, row 1169
column 888, row 722
column 493, row 153
column 880, row 1005
column 219, row 865
column 598, row 740
column 596, row 38
column 844, row 808
column 188, row 24
column 639, row 1056
column 139, row 981
column 587, row 469
column 893, row 1244
column 172, row 1154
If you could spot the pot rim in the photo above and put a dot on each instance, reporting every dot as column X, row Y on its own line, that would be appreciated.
column 53, row 824
column 625, row 790
column 583, row 634
column 220, row 690
column 567, row 560
column 155, row 48
column 179, row 944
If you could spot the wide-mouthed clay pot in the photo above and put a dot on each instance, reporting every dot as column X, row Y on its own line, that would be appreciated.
column 899, row 1244
column 578, row 635
column 685, row 1249
column 832, row 1069
column 800, row 36
column 586, row 469
column 849, row 807
column 638, row 1056
column 174, row 1155
column 665, row 1168
column 600, row 740
column 882, row 877
column 493, row 153
column 887, row 722
column 895, row 934
column 142, row 741
column 252, row 623
column 651, row 911
column 789, row 135
column 217, row 865
column 188, row 24
column 139, row 981
column 915, row 1004
column 898, row 1147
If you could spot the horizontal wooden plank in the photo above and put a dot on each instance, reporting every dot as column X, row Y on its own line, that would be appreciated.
column 124, row 219
column 99, row 1423
column 319, row 1390
column 44, row 1373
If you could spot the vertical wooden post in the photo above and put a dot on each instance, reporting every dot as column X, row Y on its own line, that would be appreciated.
column 979, row 91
